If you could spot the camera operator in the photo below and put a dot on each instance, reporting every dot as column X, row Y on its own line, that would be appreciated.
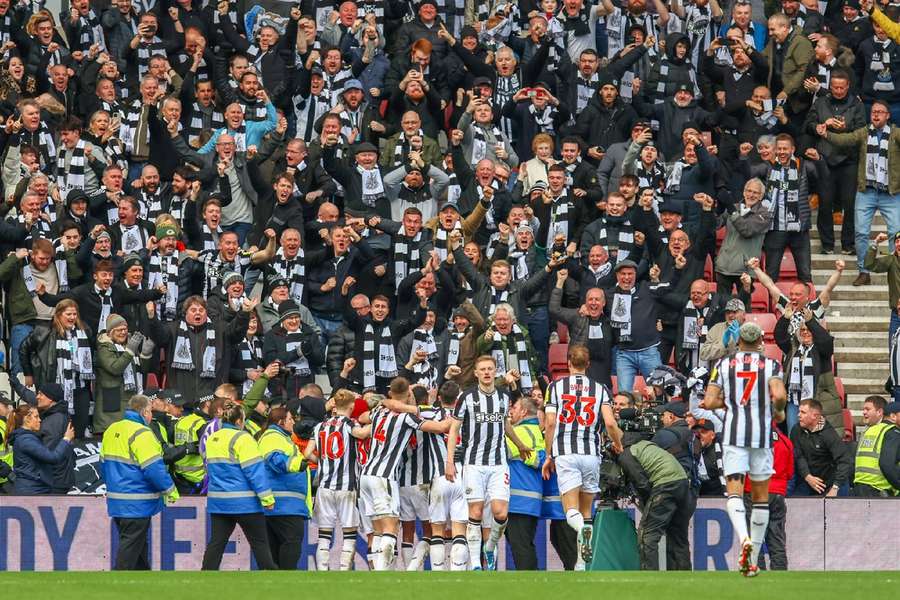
column 712, row 478
column 664, row 498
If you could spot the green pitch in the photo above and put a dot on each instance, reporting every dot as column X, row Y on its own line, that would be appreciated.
column 464, row 586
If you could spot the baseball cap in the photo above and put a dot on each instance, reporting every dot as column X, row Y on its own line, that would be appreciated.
column 352, row 84
column 479, row 81
column 751, row 332
column 679, row 409
column 451, row 205
column 735, row 304
column 173, row 397
column 684, row 87
column 625, row 264
column 164, row 231
column 670, row 207
column 704, row 424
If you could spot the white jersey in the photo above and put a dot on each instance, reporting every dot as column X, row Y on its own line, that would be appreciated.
column 744, row 381
column 390, row 437
column 483, row 433
column 337, row 454
column 576, row 400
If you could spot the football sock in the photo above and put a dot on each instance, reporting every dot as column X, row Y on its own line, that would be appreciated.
column 738, row 515
column 759, row 523
column 459, row 554
column 348, row 548
column 406, row 552
column 322, row 549
column 497, row 530
column 575, row 520
column 473, row 539
column 436, row 553
column 388, row 547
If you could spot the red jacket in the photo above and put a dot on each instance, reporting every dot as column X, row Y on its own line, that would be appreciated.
column 784, row 464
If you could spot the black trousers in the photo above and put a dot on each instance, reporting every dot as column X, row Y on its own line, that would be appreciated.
column 667, row 342
column 254, row 527
column 839, row 194
column 520, row 531
column 798, row 241
column 565, row 541
column 81, row 420
column 667, row 511
column 776, row 536
column 285, row 539
column 861, row 490
column 132, row 554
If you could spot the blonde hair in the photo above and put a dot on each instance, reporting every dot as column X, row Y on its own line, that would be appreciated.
column 61, row 307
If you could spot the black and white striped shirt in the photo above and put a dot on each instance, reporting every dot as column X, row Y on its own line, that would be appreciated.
column 576, row 400
column 390, row 437
column 415, row 469
column 436, row 443
column 337, row 454
column 744, row 381
column 483, row 434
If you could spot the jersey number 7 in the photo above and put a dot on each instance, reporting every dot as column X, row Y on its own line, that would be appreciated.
column 749, row 384
column 585, row 418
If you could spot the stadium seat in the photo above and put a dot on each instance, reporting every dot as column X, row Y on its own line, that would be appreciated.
column 713, row 287
column 788, row 267
column 382, row 108
column 152, row 382
column 639, row 385
column 720, row 238
column 563, row 331
column 849, row 426
column 557, row 362
column 839, row 386
column 766, row 321
column 759, row 299
column 709, row 272
column 772, row 351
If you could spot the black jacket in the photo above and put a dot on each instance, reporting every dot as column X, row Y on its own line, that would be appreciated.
column 823, row 454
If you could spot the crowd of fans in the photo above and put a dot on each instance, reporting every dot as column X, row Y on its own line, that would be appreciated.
column 201, row 194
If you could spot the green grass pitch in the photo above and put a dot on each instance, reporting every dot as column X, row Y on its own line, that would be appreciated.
column 463, row 586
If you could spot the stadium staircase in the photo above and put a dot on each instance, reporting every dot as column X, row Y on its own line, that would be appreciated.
column 857, row 318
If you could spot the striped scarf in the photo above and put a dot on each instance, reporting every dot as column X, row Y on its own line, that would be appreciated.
column 74, row 363
column 544, row 119
column 183, row 357
column 479, row 140
column 42, row 139
column 203, row 120
column 783, row 192
column 379, row 358
column 515, row 356
column 427, row 369
column 133, row 383
column 249, row 356
column 163, row 270
column 292, row 269
column 300, row 365
column 877, row 143
column 441, row 237
column 402, row 148
column 406, row 256
column 146, row 50
column 91, row 32
column 71, row 178
column 150, row 204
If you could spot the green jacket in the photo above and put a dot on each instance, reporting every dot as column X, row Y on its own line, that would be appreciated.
column 431, row 152
column 858, row 138
column 21, row 305
column 110, row 396
column 484, row 346
column 889, row 264
column 797, row 57
column 659, row 465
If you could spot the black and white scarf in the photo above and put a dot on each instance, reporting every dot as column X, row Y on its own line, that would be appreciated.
column 133, row 238
column 379, row 358
column 42, row 139
column 560, row 220
column 163, row 270
column 307, row 111
column 372, row 185
column 620, row 314
column 292, row 269
column 454, row 16
column 146, row 50
column 209, row 239
column 176, row 207
column 802, row 383
column 91, row 32
column 586, row 88
column 505, row 88
column 183, row 356
column 74, row 363
column 783, row 193
column 131, row 376
column 427, row 369
column 694, row 333
column 253, row 110
column 621, row 244
column 150, row 204
column 518, row 262
column 823, row 74
column 497, row 297
column 406, row 256
column 441, row 239
column 333, row 85
column 877, row 143
column 106, row 306
column 215, row 268
column 249, row 356
column 652, row 178
column 880, row 64
column 293, row 339
column 480, row 141
column 453, row 346
column 39, row 229
column 544, row 119
column 203, row 120
column 515, row 357
column 402, row 148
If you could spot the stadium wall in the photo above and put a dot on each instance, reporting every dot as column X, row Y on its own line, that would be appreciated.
column 74, row 533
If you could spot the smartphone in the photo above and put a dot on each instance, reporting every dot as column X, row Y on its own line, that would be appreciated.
column 633, row 40
column 532, row 93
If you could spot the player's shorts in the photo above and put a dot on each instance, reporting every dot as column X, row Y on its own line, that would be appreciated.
column 380, row 496
column 482, row 482
column 365, row 523
column 578, row 470
column 414, row 502
column 335, row 508
column 448, row 501
column 758, row 463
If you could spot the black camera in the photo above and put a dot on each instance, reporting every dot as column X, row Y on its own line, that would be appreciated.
column 646, row 422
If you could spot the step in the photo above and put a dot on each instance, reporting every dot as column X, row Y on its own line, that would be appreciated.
column 855, row 401
column 878, row 226
column 866, row 371
column 875, row 354
column 847, row 277
column 867, row 292
column 862, row 386
column 840, row 323
column 860, row 339
column 853, row 308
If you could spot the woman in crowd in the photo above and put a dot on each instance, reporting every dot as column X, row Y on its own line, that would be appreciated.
column 122, row 360
column 33, row 461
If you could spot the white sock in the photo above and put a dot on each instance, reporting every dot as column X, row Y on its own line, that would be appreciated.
column 406, row 553
column 497, row 530
column 322, row 550
column 459, row 554
column 759, row 523
column 575, row 519
column 348, row 549
column 436, row 553
column 420, row 551
column 473, row 539
column 738, row 515
column 388, row 547
column 376, row 552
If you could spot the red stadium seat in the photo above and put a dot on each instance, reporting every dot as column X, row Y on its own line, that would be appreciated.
column 720, row 237
column 849, row 426
column 713, row 287
column 152, row 382
column 759, row 299
column 709, row 273
column 766, row 321
column 557, row 361
column 563, row 331
column 638, row 387
column 839, row 386
column 788, row 267
column 773, row 351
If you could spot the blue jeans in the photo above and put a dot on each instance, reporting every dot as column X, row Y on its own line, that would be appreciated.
column 17, row 336
column 537, row 321
column 867, row 203
column 328, row 328
column 792, row 416
column 630, row 363
column 241, row 229
column 892, row 328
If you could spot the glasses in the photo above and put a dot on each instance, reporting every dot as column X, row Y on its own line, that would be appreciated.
column 880, row 111
column 224, row 143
